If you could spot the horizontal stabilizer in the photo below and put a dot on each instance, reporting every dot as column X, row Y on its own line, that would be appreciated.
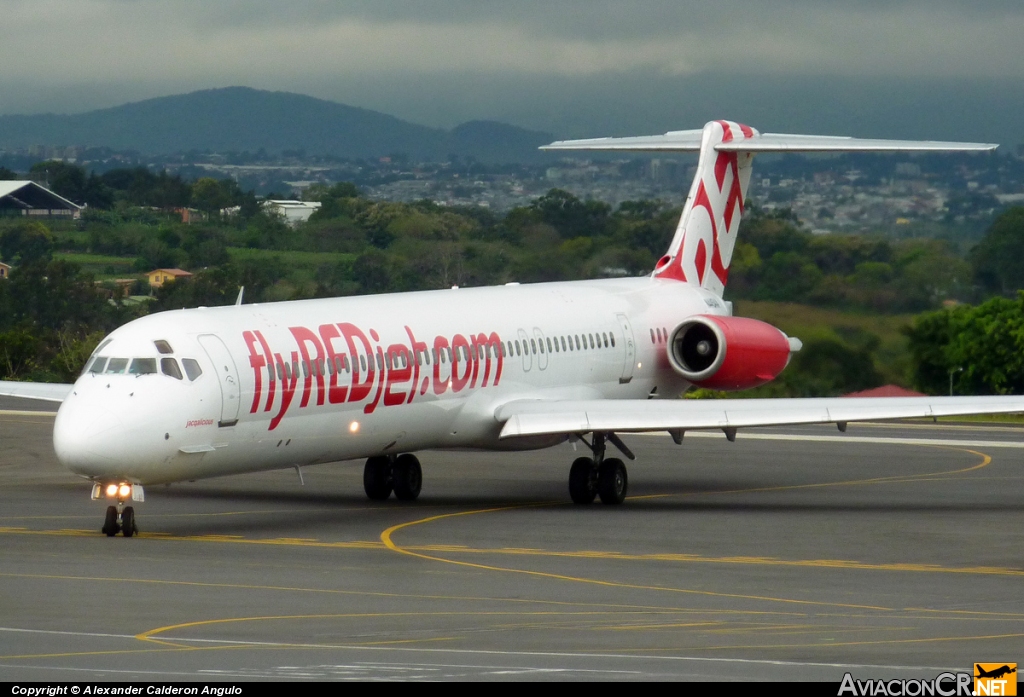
column 690, row 141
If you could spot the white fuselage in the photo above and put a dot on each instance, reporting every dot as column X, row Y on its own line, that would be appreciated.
column 303, row 382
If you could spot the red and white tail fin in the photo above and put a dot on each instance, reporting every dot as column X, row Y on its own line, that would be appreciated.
column 701, row 249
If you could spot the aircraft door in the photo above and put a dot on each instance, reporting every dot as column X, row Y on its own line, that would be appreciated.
column 629, row 345
column 524, row 340
column 542, row 351
column 227, row 376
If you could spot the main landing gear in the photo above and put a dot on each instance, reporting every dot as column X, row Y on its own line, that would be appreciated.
column 597, row 476
column 119, row 518
column 386, row 473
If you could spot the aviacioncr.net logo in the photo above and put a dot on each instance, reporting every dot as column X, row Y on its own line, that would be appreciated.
column 943, row 685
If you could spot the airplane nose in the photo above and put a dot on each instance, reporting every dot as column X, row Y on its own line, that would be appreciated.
column 82, row 438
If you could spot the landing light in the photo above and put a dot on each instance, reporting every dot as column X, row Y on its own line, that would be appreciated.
column 353, row 427
column 124, row 491
column 112, row 490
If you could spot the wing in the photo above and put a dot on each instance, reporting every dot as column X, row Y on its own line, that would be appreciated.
column 536, row 417
column 46, row 391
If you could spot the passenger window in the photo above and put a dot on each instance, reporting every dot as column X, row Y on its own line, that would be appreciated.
column 270, row 370
column 169, row 366
column 330, row 367
column 162, row 346
column 98, row 365
column 142, row 366
column 652, row 336
column 612, row 337
column 533, row 346
column 604, row 335
column 563, row 343
column 577, row 337
column 549, row 345
column 518, row 352
column 590, row 337
column 117, row 366
column 503, row 349
column 362, row 363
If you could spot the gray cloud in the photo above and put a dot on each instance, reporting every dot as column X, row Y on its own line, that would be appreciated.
column 489, row 58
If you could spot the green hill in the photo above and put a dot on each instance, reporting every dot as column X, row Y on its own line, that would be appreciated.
column 244, row 119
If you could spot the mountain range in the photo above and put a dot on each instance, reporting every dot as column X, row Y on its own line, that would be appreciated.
column 243, row 119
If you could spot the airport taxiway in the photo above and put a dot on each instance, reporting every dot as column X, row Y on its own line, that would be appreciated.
column 892, row 550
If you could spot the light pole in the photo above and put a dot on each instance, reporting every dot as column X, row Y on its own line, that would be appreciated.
column 951, row 373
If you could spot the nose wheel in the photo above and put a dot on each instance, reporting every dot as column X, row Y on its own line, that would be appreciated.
column 119, row 518
column 120, row 521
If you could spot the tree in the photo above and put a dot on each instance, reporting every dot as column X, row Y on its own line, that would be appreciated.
column 25, row 243
column 998, row 261
column 571, row 216
column 983, row 347
column 210, row 195
column 8, row 175
column 62, row 178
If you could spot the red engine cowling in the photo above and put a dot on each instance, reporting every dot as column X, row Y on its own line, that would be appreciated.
column 729, row 353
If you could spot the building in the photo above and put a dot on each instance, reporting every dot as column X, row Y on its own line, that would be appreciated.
column 30, row 199
column 159, row 277
column 5, row 270
column 293, row 212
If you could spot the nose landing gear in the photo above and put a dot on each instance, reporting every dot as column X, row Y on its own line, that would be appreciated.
column 119, row 518
column 120, row 522
column 402, row 474
column 590, row 478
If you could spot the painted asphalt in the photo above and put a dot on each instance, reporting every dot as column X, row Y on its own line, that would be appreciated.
column 880, row 552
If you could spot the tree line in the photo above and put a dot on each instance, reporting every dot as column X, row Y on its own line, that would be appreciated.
column 52, row 311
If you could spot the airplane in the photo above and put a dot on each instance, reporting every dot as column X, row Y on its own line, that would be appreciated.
column 212, row 391
column 995, row 673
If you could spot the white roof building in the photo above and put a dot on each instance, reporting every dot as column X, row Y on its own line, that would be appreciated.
column 294, row 212
column 29, row 198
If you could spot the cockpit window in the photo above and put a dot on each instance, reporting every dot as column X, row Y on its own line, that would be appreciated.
column 98, row 364
column 169, row 366
column 162, row 346
column 116, row 366
column 192, row 368
column 142, row 366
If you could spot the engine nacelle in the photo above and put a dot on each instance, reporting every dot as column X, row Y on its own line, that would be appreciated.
column 729, row 353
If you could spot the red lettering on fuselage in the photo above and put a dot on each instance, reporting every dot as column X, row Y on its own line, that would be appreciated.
column 289, row 376
column 256, row 362
column 342, row 363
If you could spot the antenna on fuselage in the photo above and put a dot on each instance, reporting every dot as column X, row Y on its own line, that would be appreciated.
column 241, row 291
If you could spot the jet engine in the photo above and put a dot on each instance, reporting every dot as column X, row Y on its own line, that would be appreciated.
column 729, row 353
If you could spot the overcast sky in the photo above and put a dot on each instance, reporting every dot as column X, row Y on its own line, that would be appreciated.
column 572, row 67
